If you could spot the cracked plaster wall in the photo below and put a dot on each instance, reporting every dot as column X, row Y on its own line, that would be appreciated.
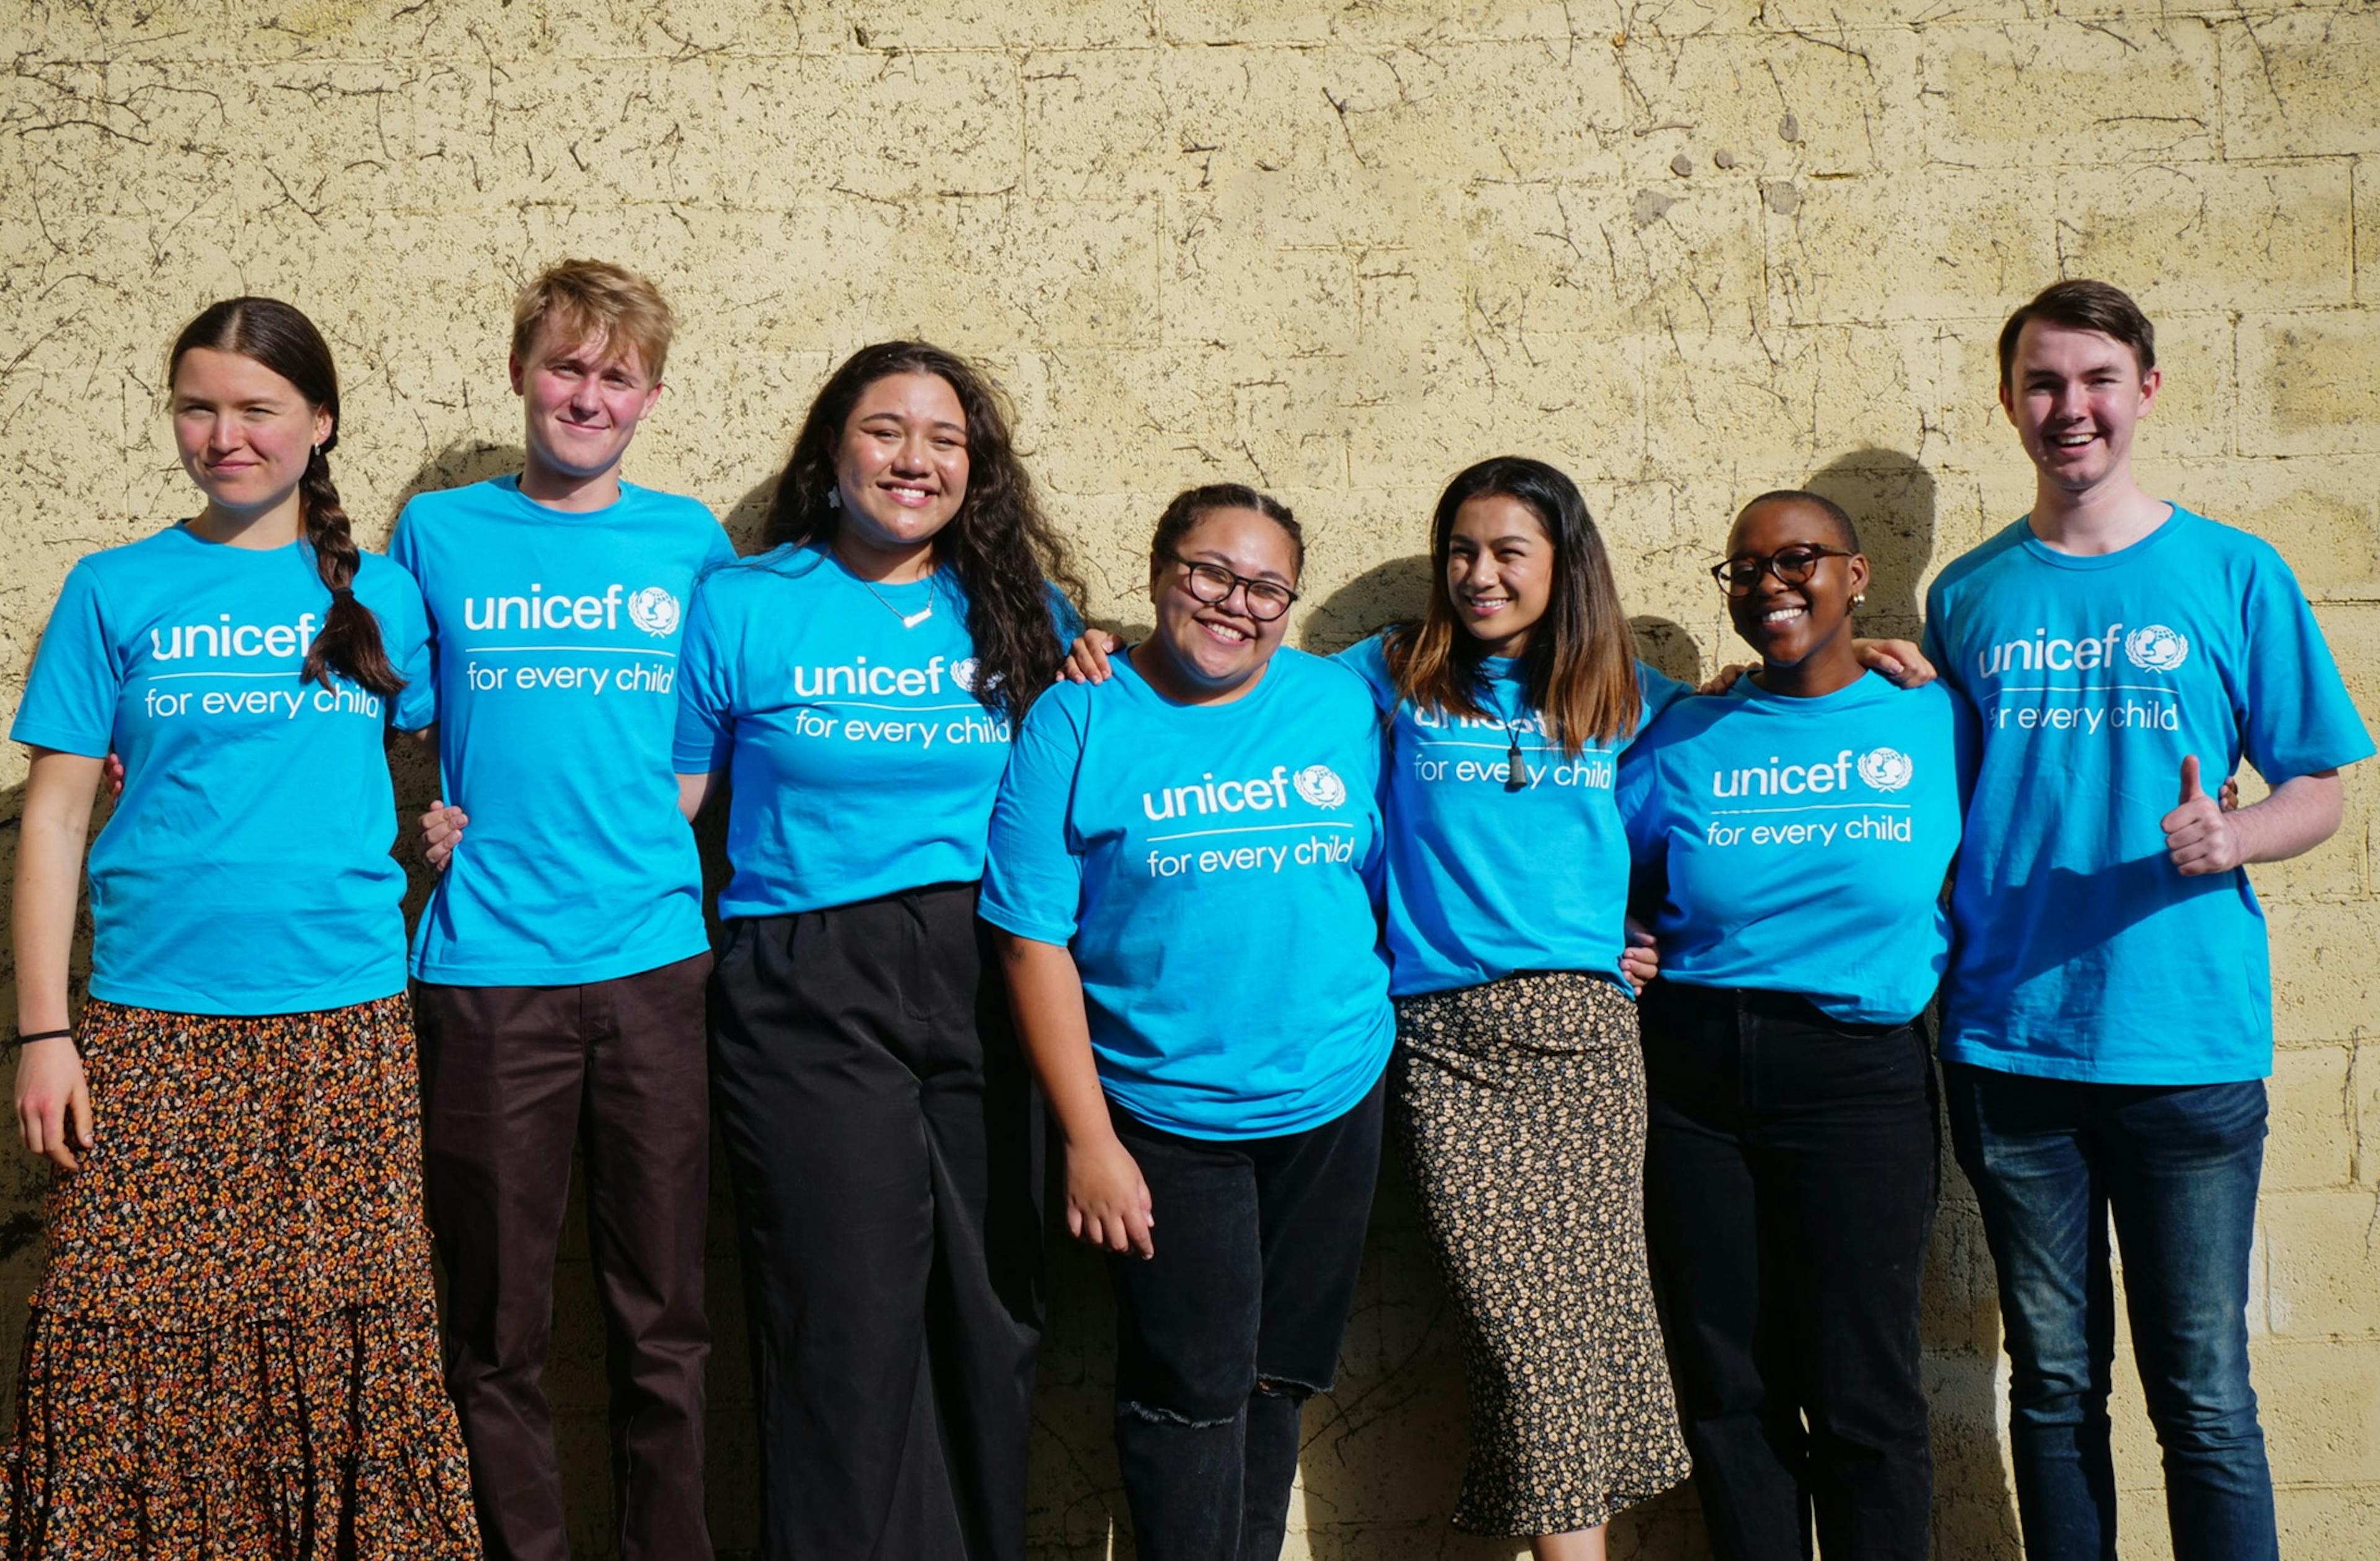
column 1688, row 250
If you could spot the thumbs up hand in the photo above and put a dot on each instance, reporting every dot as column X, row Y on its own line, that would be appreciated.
column 2200, row 836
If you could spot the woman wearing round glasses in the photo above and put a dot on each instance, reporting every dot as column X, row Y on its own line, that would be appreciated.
column 1790, row 841
column 1186, row 862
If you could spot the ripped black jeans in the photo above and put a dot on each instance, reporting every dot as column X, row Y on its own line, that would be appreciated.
column 1222, row 1335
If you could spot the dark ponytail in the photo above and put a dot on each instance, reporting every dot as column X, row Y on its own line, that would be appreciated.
column 272, row 334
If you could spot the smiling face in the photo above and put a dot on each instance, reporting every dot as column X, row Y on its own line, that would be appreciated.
column 1215, row 648
column 2075, row 396
column 1500, row 571
column 245, row 433
column 582, row 399
column 1790, row 624
column 901, row 466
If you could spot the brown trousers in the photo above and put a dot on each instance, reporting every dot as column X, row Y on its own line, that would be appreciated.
column 511, row 1077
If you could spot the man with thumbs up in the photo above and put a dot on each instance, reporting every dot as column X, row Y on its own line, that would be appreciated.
column 2106, row 1024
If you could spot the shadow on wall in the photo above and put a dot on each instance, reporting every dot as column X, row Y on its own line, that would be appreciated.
column 457, row 466
column 1890, row 498
column 1396, row 591
column 23, row 1179
column 743, row 522
column 1666, row 647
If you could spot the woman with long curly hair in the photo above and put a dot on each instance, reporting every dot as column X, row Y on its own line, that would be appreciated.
column 858, row 684
column 234, row 1350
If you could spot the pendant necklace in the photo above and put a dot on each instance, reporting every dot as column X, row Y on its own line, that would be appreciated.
column 1516, row 769
column 908, row 621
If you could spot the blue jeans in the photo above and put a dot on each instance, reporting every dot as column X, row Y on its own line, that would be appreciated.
column 2177, row 1166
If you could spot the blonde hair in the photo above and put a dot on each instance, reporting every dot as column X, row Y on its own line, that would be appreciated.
column 591, row 299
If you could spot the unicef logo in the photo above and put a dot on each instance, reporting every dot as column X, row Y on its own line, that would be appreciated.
column 2156, row 648
column 1319, row 786
column 1887, row 769
column 653, row 610
column 962, row 674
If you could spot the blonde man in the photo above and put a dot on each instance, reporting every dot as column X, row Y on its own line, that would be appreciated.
column 559, row 966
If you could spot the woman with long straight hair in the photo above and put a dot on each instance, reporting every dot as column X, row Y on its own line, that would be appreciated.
column 859, row 682
column 233, row 1348
column 1517, row 1088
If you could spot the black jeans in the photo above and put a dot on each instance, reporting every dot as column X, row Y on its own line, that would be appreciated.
column 1222, row 1335
column 884, row 1135
column 1790, row 1169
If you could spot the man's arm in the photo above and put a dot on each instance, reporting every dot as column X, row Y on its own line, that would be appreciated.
column 2301, row 814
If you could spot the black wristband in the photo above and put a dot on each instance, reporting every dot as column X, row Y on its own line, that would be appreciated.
column 43, row 1035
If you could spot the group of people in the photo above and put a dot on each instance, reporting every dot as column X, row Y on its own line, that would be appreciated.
column 1638, row 978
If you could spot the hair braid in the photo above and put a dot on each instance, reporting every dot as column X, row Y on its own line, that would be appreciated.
column 350, row 640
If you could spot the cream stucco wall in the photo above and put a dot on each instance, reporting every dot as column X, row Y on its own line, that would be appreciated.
column 1688, row 250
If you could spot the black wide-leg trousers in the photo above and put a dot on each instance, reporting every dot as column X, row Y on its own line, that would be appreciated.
column 884, row 1135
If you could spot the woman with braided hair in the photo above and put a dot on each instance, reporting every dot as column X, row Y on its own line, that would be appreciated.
column 234, row 1349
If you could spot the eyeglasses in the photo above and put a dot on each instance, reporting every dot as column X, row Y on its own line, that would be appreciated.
column 1213, row 584
column 1739, row 576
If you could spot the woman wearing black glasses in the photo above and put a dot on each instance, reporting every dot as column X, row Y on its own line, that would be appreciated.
column 1790, row 841
column 1186, row 862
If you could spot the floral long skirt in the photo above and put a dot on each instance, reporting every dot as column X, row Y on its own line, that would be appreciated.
column 234, row 1352
column 1520, row 1109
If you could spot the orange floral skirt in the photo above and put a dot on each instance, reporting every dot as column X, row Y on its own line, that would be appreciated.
column 234, row 1351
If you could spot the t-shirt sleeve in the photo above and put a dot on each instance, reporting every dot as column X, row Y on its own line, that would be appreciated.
column 1063, row 616
column 71, row 694
column 1659, row 691
column 1368, row 659
column 405, row 636
column 1632, row 793
column 706, row 722
column 721, row 551
column 1032, row 871
column 2298, row 718
column 1637, row 792
column 1932, row 644
column 403, row 550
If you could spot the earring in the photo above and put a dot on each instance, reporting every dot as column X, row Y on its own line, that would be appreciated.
column 834, row 498
column 1860, row 599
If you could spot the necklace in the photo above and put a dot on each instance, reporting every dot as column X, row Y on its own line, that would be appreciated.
column 1516, row 768
column 908, row 621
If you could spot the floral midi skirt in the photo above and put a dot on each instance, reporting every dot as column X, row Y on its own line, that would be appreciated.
column 234, row 1351
column 1520, row 1106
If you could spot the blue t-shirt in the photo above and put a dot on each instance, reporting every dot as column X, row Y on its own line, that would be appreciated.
column 1216, row 872
column 246, row 868
column 1800, row 845
column 1484, row 882
column 861, row 762
column 2083, row 952
column 557, row 637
